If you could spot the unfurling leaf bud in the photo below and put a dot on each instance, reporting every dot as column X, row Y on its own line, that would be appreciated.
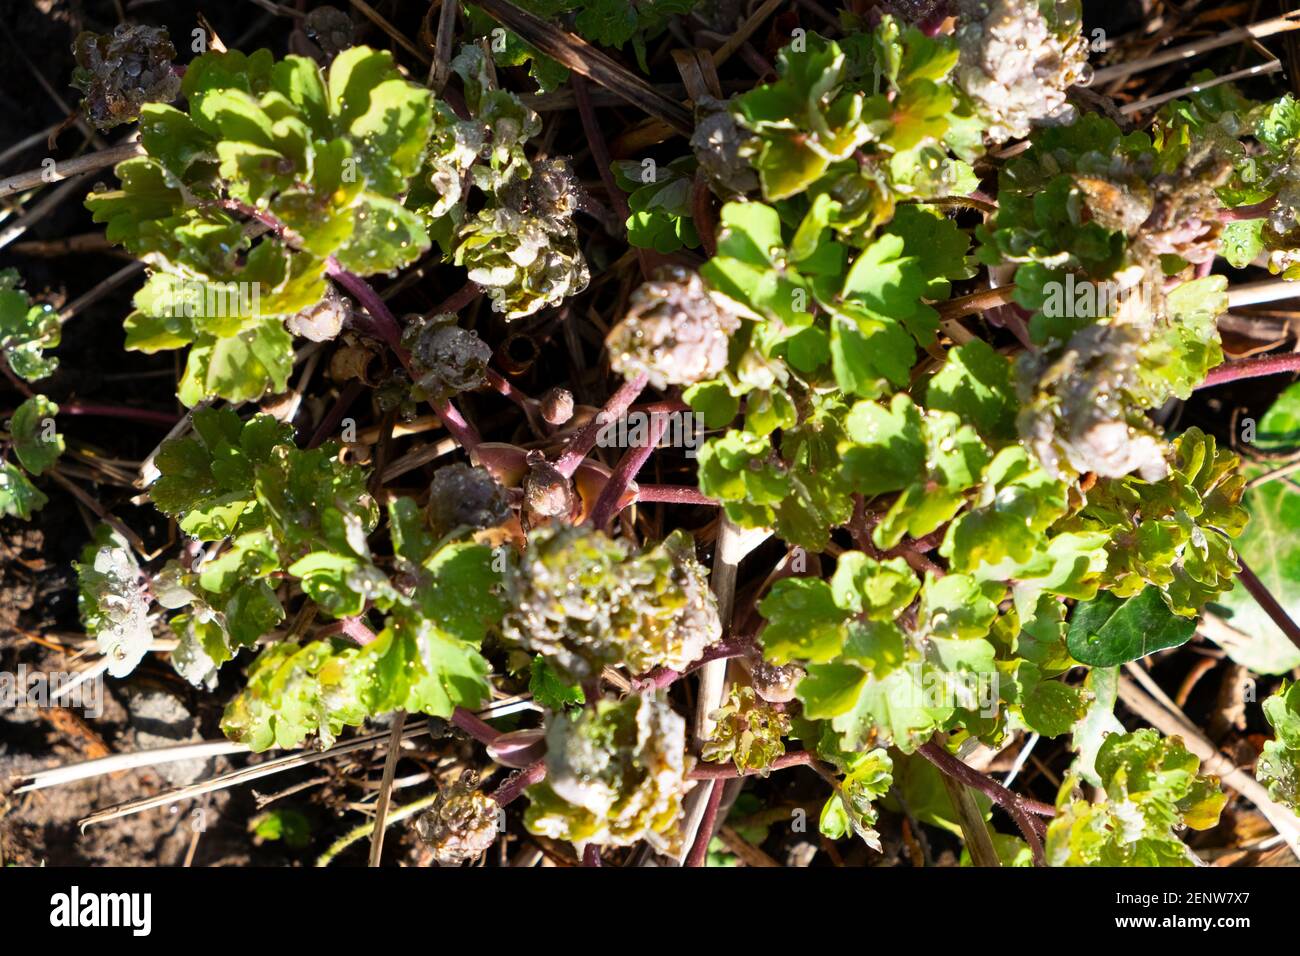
column 547, row 493
column 118, row 74
column 674, row 331
column 775, row 682
column 748, row 732
column 463, row 496
column 557, row 406
column 461, row 824
column 331, row 28
column 616, row 775
column 322, row 321
column 446, row 358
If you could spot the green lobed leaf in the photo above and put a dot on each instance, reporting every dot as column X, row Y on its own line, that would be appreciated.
column 36, row 443
column 1110, row 630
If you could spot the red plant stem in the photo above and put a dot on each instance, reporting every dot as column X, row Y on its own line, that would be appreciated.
column 699, row 854
column 673, row 495
column 663, row 407
column 469, row 722
column 706, row 221
column 388, row 329
column 386, row 326
column 517, row 783
column 599, row 149
column 336, row 412
column 1257, row 211
column 1016, row 806
column 1264, row 598
column 352, row 627
column 625, row 473
column 800, row 758
column 1252, row 368
column 591, row 855
column 502, row 385
column 1010, row 317
column 459, row 429
column 462, row 297
column 662, row 677
column 582, row 443
column 262, row 216
column 167, row 419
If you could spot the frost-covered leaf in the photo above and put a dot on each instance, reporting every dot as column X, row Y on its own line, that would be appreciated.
column 1175, row 534
column 585, row 600
column 616, row 775
column 1279, row 764
column 119, row 73
column 113, row 601
column 1152, row 789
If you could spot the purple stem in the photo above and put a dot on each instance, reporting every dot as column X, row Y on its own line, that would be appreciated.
column 385, row 324
column 1252, row 368
column 501, row 385
column 391, row 333
column 662, row 677
column 800, row 758
column 517, row 783
column 699, row 854
column 1269, row 604
column 262, row 216
column 352, row 627
column 1257, row 211
column 591, row 855
column 460, row 429
column 625, row 473
column 583, row 442
column 1016, row 806
column 673, row 495
column 599, row 150
column 459, row 299
column 1012, row 318
column 479, row 729
column 706, row 221
column 119, row 411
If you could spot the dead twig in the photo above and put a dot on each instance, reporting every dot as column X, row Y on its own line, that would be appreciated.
column 584, row 59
